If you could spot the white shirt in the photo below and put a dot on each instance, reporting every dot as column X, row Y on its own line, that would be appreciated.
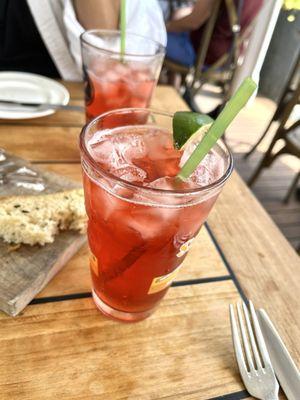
column 60, row 30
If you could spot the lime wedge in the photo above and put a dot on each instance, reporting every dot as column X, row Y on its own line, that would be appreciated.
column 186, row 124
column 218, row 127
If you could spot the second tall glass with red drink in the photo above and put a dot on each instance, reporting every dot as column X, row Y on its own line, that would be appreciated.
column 114, row 80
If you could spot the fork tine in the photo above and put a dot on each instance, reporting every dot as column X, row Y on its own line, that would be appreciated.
column 259, row 337
column 252, row 339
column 244, row 337
column 236, row 341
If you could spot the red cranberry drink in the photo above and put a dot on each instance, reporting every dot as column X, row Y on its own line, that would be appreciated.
column 113, row 81
column 141, row 220
column 114, row 85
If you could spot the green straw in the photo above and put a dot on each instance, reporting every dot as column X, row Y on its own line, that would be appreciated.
column 123, row 27
column 229, row 112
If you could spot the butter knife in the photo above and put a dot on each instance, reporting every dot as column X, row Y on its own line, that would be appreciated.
column 41, row 106
column 284, row 367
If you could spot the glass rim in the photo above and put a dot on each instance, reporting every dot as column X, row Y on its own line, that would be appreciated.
column 179, row 192
column 159, row 51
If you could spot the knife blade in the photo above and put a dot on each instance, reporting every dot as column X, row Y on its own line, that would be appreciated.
column 41, row 105
column 283, row 364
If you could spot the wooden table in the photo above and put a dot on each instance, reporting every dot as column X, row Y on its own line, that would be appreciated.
column 61, row 346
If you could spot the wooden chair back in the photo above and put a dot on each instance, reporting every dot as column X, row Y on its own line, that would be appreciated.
column 222, row 70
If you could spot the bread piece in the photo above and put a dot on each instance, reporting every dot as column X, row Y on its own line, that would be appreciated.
column 37, row 219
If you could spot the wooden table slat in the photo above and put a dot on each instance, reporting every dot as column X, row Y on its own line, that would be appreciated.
column 69, row 348
column 41, row 143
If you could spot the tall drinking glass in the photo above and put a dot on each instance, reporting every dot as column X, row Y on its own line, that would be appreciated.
column 141, row 225
column 116, row 81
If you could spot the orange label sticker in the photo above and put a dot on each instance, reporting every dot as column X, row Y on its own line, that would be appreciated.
column 184, row 248
column 161, row 282
column 94, row 264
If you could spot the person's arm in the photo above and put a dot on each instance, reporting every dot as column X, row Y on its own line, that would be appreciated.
column 97, row 14
column 201, row 12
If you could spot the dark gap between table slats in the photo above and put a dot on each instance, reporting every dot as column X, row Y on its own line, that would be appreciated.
column 243, row 394
column 84, row 295
column 226, row 263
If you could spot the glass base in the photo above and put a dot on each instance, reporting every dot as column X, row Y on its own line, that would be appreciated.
column 117, row 314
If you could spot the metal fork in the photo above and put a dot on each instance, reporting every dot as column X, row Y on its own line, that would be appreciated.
column 257, row 374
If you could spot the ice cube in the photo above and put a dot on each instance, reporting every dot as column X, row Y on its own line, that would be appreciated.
column 130, row 173
column 101, row 149
column 127, row 147
column 201, row 176
column 135, row 148
column 209, row 170
column 108, row 90
column 110, row 75
column 121, row 70
column 169, row 183
column 141, row 75
column 109, row 71
column 164, row 183
column 105, row 202
column 117, row 154
column 137, row 66
column 99, row 137
column 117, row 160
column 153, row 221
column 98, row 66
column 162, row 205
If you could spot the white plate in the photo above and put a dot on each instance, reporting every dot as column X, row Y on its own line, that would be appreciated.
column 22, row 87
